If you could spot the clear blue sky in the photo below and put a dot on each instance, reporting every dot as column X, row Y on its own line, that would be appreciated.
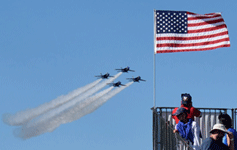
column 49, row 48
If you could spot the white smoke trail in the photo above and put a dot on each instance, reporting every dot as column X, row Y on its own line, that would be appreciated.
column 24, row 116
column 105, row 98
column 78, row 113
column 54, row 112
column 35, row 128
column 64, row 109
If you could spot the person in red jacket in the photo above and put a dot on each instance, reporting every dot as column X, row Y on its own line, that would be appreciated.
column 186, row 102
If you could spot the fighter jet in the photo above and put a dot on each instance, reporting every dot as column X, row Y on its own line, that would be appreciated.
column 125, row 69
column 105, row 76
column 137, row 79
column 117, row 84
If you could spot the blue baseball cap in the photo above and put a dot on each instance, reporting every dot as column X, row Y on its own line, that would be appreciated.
column 179, row 111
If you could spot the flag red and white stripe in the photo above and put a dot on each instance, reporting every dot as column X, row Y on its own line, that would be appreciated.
column 204, row 32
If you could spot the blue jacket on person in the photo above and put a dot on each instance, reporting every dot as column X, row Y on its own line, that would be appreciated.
column 224, row 140
column 185, row 130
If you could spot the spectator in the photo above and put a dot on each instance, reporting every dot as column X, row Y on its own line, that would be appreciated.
column 226, row 121
column 187, row 128
column 214, row 142
column 186, row 102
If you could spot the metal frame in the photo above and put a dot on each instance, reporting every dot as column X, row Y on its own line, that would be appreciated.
column 163, row 136
column 163, row 125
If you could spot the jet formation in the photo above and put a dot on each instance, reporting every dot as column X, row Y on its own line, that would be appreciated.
column 118, row 84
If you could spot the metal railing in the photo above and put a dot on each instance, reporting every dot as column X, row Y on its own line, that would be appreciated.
column 163, row 125
column 163, row 136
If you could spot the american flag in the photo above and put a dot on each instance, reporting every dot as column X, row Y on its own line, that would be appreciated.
column 180, row 31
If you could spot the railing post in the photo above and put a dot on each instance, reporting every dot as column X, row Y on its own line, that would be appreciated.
column 154, row 127
column 232, row 117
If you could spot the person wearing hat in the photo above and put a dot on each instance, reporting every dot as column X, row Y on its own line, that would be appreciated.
column 214, row 142
column 186, row 102
column 187, row 128
column 227, row 122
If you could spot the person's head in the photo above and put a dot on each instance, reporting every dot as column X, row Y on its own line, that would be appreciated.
column 186, row 99
column 225, row 120
column 218, row 132
column 181, row 114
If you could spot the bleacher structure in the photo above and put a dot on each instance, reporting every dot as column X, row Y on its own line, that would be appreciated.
column 163, row 126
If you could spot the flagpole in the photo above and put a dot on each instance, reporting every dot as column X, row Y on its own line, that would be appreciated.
column 154, row 94
column 154, row 111
column 154, row 62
